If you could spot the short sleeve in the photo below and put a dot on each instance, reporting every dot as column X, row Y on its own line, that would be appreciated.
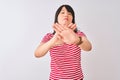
column 47, row 37
column 81, row 33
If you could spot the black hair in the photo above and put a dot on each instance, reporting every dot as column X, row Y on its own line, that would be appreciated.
column 69, row 9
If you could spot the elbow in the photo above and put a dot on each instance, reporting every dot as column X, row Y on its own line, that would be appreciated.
column 87, row 48
column 37, row 54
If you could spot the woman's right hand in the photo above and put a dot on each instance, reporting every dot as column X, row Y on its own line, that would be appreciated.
column 66, row 33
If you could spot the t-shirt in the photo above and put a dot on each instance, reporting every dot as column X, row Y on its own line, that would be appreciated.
column 65, row 60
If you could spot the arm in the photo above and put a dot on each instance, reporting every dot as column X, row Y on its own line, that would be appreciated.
column 85, row 45
column 70, row 37
column 81, row 41
column 43, row 48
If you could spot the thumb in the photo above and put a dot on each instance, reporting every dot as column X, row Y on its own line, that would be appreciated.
column 59, row 36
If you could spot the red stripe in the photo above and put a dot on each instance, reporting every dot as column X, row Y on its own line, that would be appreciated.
column 65, row 61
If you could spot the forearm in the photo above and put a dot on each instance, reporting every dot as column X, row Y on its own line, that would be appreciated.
column 85, row 45
column 42, row 49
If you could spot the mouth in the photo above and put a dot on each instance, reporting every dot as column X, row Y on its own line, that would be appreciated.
column 65, row 19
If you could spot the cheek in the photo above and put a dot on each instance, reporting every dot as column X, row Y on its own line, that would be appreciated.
column 71, row 19
column 59, row 19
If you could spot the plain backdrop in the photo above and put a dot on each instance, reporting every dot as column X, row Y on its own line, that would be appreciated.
column 23, row 23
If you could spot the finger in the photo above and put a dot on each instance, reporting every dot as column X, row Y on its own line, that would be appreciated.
column 59, row 36
column 70, row 25
column 56, row 28
column 60, row 26
column 73, row 27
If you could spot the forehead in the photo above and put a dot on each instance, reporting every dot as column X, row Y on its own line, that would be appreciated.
column 63, row 9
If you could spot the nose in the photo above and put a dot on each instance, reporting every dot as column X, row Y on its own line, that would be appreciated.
column 66, row 14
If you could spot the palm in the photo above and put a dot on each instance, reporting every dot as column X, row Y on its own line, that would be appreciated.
column 68, row 36
column 66, row 33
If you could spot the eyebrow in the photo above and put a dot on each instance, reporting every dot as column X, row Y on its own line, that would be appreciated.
column 62, row 10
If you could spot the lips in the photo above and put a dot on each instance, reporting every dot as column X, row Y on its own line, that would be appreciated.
column 66, row 19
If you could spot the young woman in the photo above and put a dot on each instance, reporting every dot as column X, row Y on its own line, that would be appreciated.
column 65, row 45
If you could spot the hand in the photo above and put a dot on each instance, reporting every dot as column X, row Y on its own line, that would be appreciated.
column 72, row 26
column 58, row 28
column 66, row 33
column 69, row 36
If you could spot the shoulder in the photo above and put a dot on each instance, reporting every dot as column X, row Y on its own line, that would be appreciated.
column 80, row 33
column 49, row 34
column 47, row 37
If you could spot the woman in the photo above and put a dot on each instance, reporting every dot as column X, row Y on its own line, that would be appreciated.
column 65, row 45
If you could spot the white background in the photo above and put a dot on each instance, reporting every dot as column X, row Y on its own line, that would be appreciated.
column 23, row 23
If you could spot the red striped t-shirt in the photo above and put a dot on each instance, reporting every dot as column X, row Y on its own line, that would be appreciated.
column 65, row 60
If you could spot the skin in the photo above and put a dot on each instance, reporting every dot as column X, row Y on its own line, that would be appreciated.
column 64, row 34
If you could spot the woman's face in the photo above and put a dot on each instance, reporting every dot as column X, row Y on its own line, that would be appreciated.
column 65, row 17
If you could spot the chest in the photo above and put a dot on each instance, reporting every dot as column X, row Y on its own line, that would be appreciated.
column 65, row 50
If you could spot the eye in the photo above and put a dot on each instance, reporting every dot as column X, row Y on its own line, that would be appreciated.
column 62, row 12
column 69, row 13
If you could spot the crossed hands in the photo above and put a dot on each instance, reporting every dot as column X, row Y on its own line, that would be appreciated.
column 65, row 33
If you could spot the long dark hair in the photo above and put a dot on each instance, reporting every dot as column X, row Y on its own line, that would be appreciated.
column 69, row 9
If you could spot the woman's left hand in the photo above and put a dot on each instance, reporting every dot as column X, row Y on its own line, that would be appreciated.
column 67, row 33
column 69, row 37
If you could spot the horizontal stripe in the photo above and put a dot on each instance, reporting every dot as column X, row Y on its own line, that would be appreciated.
column 65, row 61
